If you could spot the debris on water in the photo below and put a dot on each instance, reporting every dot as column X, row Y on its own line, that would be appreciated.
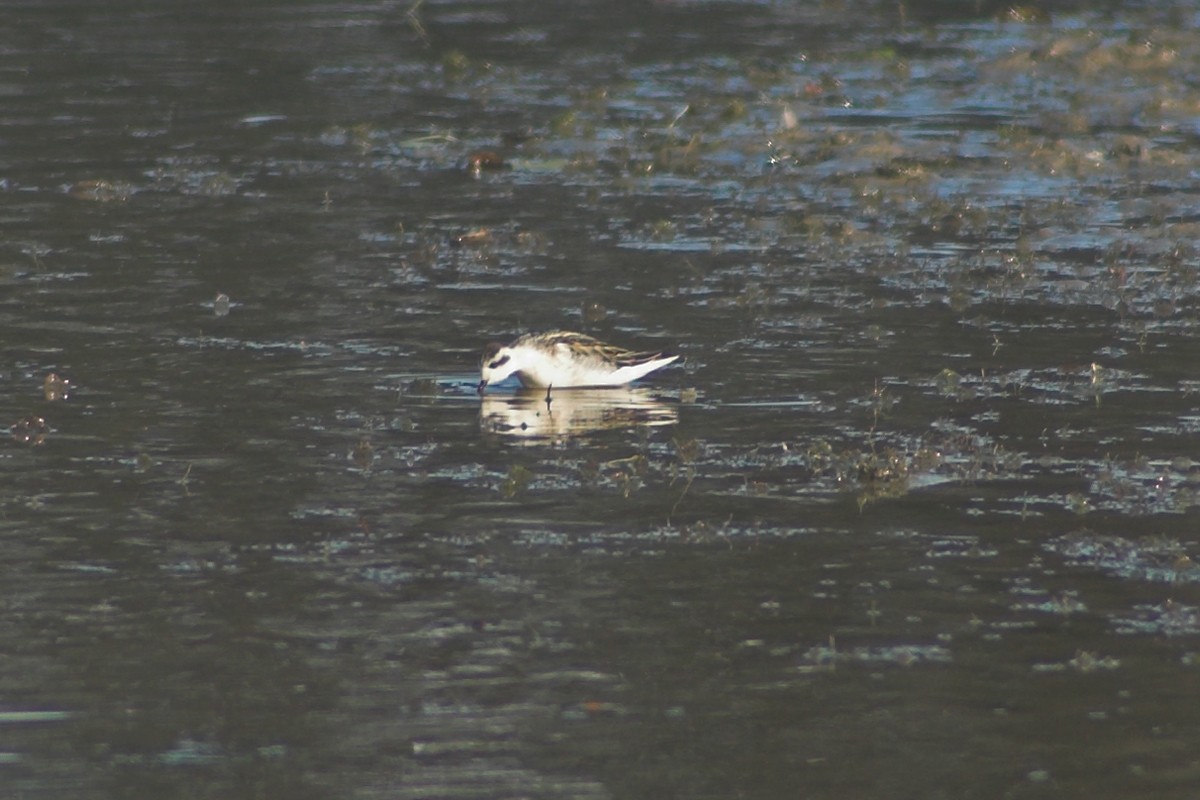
column 55, row 387
column 423, row 387
column 31, row 430
column 1039, row 776
column 221, row 305
column 1064, row 604
column 363, row 454
column 481, row 160
column 472, row 238
column 594, row 312
column 455, row 63
column 1025, row 14
column 101, row 191
column 905, row 655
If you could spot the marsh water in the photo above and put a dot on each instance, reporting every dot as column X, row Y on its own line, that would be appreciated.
column 914, row 518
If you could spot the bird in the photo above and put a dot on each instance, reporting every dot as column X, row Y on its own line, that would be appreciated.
column 563, row 359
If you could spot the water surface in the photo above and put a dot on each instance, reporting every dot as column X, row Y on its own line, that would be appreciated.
column 914, row 518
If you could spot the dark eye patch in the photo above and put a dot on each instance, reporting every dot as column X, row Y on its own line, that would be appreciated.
column 499, row 362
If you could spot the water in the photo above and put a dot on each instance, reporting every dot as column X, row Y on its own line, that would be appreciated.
column 914, row 519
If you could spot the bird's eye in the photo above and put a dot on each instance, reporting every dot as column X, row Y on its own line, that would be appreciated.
column 499, row 362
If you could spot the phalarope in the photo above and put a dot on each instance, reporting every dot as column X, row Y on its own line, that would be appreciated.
column 560, row 359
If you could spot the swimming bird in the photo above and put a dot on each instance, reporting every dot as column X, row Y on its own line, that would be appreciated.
column 561, row 359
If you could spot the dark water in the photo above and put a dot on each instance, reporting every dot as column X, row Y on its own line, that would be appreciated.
column 914, row 520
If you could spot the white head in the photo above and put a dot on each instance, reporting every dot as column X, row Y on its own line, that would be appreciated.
column 497, row 364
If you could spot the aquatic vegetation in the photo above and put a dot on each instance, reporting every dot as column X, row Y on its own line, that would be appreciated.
column 1157, row 559
column 1169, row 618
column 516, row 481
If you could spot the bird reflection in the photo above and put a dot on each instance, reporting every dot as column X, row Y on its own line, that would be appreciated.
column 532, row 414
